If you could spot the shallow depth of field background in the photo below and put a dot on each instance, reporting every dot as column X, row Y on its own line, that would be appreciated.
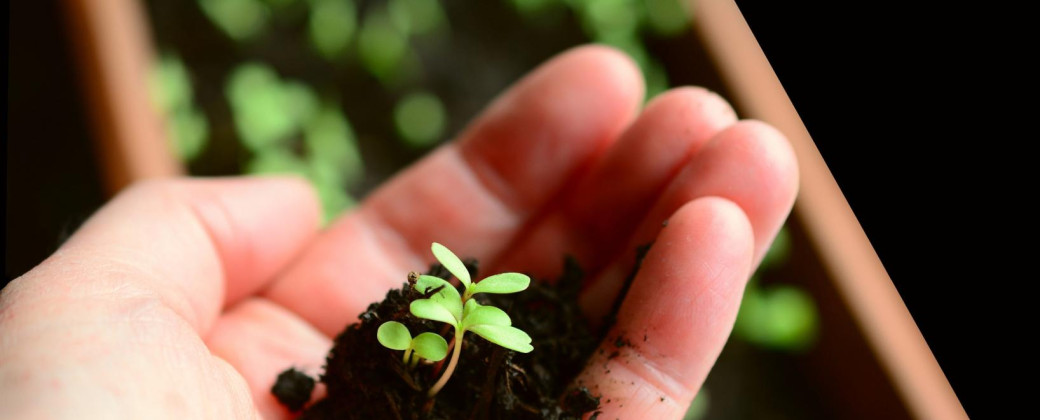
column 348, row 92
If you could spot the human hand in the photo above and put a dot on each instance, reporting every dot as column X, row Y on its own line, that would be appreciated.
column 185, row 298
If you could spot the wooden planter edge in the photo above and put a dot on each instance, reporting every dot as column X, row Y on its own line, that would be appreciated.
column 839, row 239
column 113, row 50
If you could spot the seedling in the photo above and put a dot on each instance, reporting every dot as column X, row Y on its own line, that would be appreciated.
column 395, row 336
column 463, row 313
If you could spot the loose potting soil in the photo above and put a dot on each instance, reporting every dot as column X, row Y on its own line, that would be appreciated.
column 367, row 381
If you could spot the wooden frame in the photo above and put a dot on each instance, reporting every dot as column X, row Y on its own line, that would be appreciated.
column 821, row 207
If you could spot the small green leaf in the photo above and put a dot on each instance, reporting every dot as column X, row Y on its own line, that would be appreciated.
column 502, row 283
column 486, row 315
column 434, row 311
column 505, row 336
column 394, row 335
column 471, row 305
column 426, row 283
column 430, row 346
column 451, row 262
column 448, row 296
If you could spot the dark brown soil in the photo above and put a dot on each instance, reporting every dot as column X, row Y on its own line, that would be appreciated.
column 367, row 381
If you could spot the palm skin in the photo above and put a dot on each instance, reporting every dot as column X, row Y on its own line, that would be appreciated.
column 185, row 298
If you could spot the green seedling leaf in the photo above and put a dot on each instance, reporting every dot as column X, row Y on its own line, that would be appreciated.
column 451, row 262
column 486, row 315
column 471, row 305
column 430, row 346
column 394, row 335
column 502, row 283
column 434, row 311
column 425, row 283
column 505, row 336
column 448, row 296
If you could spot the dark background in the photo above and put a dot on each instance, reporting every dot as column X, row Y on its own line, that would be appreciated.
column 890, row 96
column 872, row 86
column 52, row 182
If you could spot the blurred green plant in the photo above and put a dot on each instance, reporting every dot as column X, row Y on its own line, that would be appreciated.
column 417, row 17
column 622, row 24
column 331, row 26
column 698, row 407
column 239, row 19
column 420, row 119
column 171, row 91
column 781, row 317
column 272, row 116
column 382, row 45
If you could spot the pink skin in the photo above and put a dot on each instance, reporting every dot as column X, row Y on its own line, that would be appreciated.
column 185, row 298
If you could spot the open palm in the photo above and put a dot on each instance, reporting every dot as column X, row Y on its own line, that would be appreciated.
column 184, row 299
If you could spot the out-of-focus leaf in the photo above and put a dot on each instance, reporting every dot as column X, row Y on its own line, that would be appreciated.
column 611, row 18
column 189, row 131
column 331, row 25
column 239, row 19
column 778, row 252
column 171, row 91
column 667, row 17
column 169, row 84
column 330, row 142
column 301, row 103
column 420, row 119
column 381, row 45
column 781, row 317
column 656, row 79
column 533, row 7
column 333, row 194
column 277, row 161
column 417, row 17
column 792, row 318
column 699, row 406
column 260, row 106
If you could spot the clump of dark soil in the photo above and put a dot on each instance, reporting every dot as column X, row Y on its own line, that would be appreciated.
column 367, row 381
